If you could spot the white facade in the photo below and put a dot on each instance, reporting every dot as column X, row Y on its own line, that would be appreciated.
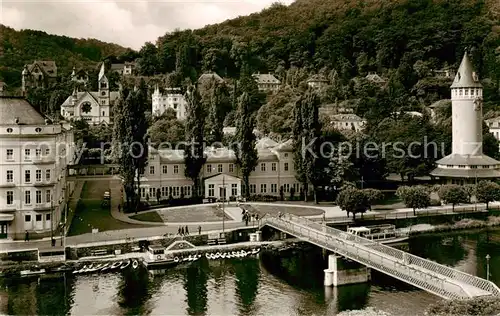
column 34, row 154
column 267, row 82
column 494, row 126
column 347, row 122
column 92, row 106
column 171, row 99
column 466, row 162
column 274, row 170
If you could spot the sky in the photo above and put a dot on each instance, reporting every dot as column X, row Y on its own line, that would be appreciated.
column 129, row 23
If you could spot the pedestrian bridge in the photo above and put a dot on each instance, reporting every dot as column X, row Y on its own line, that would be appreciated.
column 435, row 278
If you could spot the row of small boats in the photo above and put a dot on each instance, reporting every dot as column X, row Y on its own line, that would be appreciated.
column 232, row 254
column 107, row 267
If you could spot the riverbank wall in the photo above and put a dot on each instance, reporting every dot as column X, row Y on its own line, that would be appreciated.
column 464, row 224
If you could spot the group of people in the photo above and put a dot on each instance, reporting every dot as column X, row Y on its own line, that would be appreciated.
column 184, row 231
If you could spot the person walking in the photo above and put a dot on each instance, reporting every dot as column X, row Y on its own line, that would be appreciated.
column 119, row 208
column 187, row 230
column 27, row 236
column 199, row 230
column 182, row 231
column 179, row 231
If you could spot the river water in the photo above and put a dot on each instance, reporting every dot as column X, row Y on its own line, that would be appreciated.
column 290, row 283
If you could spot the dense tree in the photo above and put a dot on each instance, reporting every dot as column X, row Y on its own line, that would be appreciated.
column 453, row 194
column 194, row 156
column 167, row 130
column 415, row 197
column 373, row 196
column 313, row 162
column 298, row 139
column 217, row 100
column 246, row 152
column 352, row 200
column 487, row 191
column 148, row 61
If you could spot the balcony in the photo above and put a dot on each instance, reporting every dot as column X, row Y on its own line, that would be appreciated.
column 8, row 185
column 44, row 184
column 42, row 160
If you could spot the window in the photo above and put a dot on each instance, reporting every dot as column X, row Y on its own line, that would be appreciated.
column 103, row 113
column 27, row 218
column 188, row 190
column 286, row 187
column 38, row 217
column 273, row 166
column 48, row 196
column 47, row 217
column 219, row 168
column 211, row 190
column 47, row 175
column 263, row 188
column 263, row 166
column 286, row 155
column 177, row 191
column 9, row 130
column 164, row 169
column 38, row 197
column 27, row 176
column 10, row 154
column 234, row 189
column 176, row 169
column 38, row 152
column 27, row 197
column 209, row 168
column 10, row 197
column 151, row 169
column 286, row 166
column 231, row 167
column 274, row 188
column 10, row 176
column 47, row 151
column 27, row 154
column 38, row 175
column 252, row 188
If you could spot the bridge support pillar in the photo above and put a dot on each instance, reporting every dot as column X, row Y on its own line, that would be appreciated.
column 342, row 272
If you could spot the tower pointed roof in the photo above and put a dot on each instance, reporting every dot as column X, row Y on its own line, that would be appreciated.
column 466, row 77
column 101, row 72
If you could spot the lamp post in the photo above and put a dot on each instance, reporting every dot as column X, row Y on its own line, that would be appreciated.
column 223, row 203
column 488, row 267
column 475, row 190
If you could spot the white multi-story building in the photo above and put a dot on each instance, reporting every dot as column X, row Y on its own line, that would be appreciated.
column 95, row 107
column 172, row 98
column 274, row 170
column 34, row 154
column 467, row 162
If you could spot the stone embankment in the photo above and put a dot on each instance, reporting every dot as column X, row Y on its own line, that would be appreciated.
column 463, row 224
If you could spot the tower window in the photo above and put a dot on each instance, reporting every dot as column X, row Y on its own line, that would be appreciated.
column 103, row 93
column 466, row 92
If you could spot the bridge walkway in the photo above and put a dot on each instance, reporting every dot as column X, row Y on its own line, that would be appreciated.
column 435, row 278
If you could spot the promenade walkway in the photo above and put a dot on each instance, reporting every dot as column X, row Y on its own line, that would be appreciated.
column 435, row 278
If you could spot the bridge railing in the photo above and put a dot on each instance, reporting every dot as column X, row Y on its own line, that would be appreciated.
column 409, row 259
column 371, row 258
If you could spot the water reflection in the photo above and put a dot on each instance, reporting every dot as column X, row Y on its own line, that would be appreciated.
column 288, row 283
column 195, row 285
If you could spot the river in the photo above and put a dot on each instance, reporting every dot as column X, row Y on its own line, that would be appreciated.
column 287, row 284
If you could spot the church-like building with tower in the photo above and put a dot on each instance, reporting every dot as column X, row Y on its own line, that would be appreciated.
column 467, row 163
column 95, row 107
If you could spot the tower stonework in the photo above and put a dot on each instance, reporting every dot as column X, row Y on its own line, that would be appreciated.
column 467, row 162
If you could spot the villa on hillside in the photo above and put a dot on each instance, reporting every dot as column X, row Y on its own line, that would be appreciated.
column 221, row 175
column 317, row 81
column 171, row 98
column 347, row 121
column 39, row 74
column 266, row 82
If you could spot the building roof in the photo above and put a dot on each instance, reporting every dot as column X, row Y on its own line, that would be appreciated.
column 317, row 78
column 346, row 118
column 113, row 96
column 209, row 76
column 48, row 67
column 375, row 78
column 116, row 67
column 467, row 160
column 466, row 77
column 440, row 103
column 465, row 173
column 17, row 108
column 265, row 78
column 266, row 142
column 286, row 146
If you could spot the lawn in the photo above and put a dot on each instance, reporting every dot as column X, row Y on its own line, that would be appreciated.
column 390, row 202
column 89, row 213
column 274, row 209
column 199, row 213
column 148, row 217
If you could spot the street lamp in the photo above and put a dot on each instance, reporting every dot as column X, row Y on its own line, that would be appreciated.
column 223, row 203
column 488, row 267
column 475, row 190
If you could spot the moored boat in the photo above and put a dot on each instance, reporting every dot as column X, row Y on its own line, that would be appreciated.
column 384, row 234
column 125, row 265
